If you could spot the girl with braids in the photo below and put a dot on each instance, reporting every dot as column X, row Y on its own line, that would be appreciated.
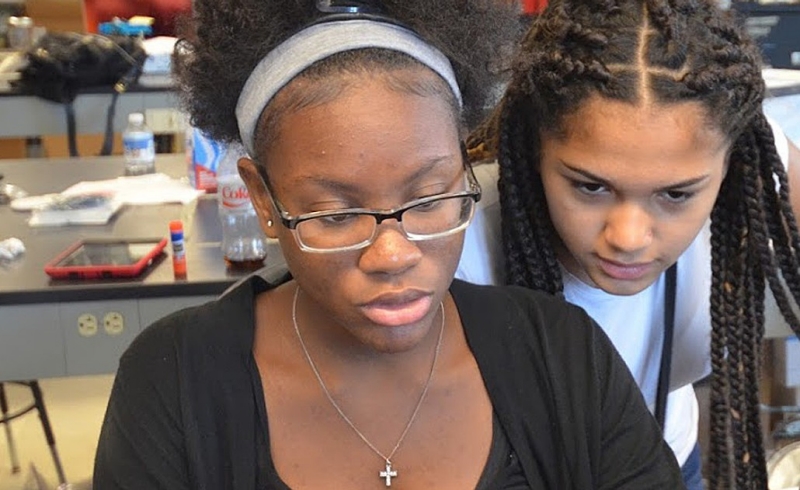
column 368, row 366
column 628, row 127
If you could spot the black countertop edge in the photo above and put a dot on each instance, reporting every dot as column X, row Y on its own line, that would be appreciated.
column 757, row 7
column 783, row 91
column 15, row 91
column 91, row 291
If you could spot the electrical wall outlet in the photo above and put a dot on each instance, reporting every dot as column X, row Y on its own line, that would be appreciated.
column 113, row 323
column 87, row 325
column 117, row 325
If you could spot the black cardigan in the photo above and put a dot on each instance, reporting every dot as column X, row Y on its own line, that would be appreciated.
column 187, row 408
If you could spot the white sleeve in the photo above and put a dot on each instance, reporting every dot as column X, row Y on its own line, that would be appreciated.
column 781, row 141
column 482, row 256
column 775, row 325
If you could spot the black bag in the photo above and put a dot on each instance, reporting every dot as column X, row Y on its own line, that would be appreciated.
column 62, row 64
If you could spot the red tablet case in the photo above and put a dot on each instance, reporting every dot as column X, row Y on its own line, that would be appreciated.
column 102, row 271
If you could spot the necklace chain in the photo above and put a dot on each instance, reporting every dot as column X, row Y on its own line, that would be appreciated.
column 388, row 458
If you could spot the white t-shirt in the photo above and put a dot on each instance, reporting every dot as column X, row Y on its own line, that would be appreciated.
column 633, row 323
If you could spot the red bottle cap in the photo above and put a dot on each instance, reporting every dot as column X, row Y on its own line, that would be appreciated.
column 176, row 225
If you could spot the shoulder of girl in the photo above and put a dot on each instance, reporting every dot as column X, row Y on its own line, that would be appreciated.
column 212, row 323
column 528, row 308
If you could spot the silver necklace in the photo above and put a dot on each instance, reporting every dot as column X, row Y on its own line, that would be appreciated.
column 388, row 473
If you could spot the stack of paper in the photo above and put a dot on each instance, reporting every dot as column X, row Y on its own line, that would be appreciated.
column 86, row 209
column 95, row 202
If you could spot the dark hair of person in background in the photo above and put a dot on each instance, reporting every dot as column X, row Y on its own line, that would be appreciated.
column 692, row 52
column 468, row 33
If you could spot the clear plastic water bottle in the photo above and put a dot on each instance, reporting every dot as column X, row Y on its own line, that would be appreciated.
column 244, row 245
column 139, row 146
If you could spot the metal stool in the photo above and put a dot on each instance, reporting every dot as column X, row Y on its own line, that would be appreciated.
column 38, row 404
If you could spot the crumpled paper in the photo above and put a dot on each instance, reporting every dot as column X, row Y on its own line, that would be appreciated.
column 11, row 248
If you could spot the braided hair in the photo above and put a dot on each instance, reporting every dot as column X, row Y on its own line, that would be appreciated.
column 662, row 51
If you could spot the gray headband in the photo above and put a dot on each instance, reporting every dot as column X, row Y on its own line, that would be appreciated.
column 318, row 42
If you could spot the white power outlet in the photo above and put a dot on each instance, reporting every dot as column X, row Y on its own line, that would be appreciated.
column 113, row 323
column 87, row 325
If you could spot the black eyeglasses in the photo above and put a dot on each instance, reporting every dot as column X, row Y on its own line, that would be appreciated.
column 342, row 230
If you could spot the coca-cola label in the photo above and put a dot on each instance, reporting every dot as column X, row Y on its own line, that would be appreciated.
column 205, row 156
column 233, row 194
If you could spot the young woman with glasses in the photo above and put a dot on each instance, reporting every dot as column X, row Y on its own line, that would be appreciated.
column 368, row 366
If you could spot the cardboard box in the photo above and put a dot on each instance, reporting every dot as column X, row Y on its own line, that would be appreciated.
column 12, row 148
column 57, row 15
column 56, row 146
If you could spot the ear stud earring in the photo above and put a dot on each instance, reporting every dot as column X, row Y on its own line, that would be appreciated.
column 269, row 223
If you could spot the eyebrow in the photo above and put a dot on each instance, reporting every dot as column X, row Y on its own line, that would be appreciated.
column 346, row 188
column 676, row 185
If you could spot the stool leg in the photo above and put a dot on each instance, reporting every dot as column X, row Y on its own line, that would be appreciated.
column 48, row 431
column 12, row 448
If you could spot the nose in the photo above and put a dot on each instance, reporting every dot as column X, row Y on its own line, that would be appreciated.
column 628, row 228
column 391, row 252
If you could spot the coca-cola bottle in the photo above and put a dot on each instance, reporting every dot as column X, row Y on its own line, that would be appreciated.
column 244, row 245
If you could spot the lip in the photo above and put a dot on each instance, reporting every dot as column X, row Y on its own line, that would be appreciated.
column 623, row 271
column 397, row 309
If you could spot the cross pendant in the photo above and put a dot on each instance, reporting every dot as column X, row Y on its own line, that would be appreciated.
column 388, row 474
